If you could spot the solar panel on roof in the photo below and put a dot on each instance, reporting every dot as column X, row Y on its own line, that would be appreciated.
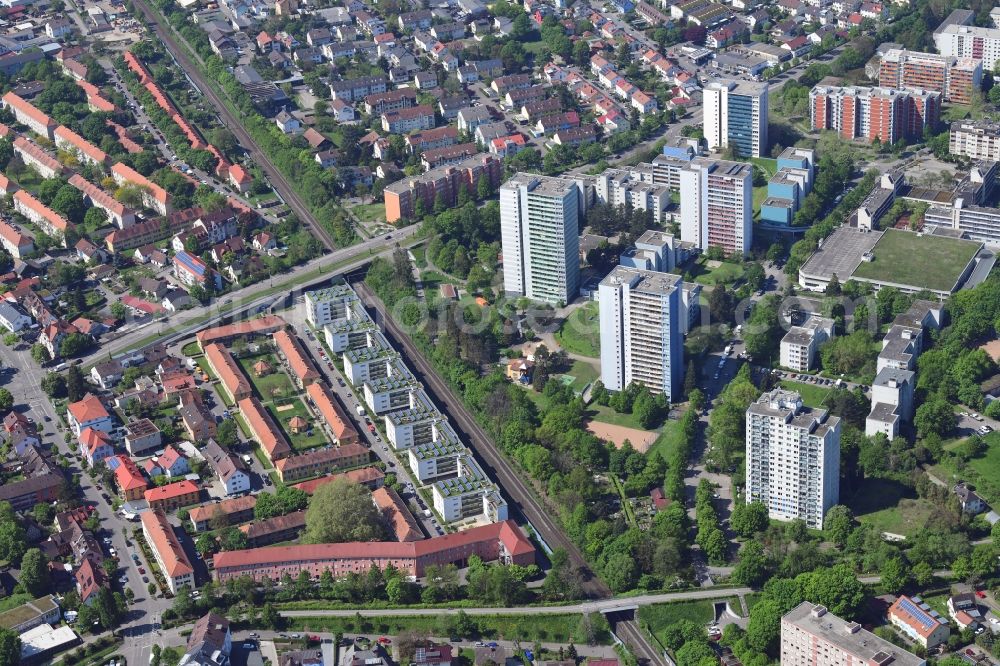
column 918, row 614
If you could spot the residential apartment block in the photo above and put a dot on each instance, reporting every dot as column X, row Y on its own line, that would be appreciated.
column 402, row 196
column 539, row 229
column 799, row 346
column 793, row 458
column 955, row 78
column 717, row 205
column 969, row 41
column 736, row 117
column 641, row 331
column 619, row 187
column 882, row 113
column 468, row 495
column 167, row 550
column 813, row 636
column 325, row 306
column 979, row 140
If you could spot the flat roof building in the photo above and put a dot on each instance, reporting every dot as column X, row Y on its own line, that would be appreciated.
column 813, row 636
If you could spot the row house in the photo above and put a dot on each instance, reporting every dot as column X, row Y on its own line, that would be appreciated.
column 406, row 120
column 117, row 212
column 33, row 156
column 49, row 221
column 355, row 90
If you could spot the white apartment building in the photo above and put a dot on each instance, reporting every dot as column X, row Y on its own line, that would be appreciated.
column 539, row 228
column 979, row 140
column 969, row 41
column 365, row 363
column 892, row 401
column 736, row 116
column 620, row 187
column 798, row 347
column 793, row 458
column 717, row 205
column 326, row 306
column 392, row 391
column 813, row 636
column 641, row 331
column 435, row 459
column 468, row 496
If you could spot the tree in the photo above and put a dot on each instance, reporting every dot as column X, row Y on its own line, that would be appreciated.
column 752, row 568
column 12, row 535
column 837, row 588
column 10, row 647
column 838, row 524
column 6, row 400
column 749, row 519
column 40, row 354
column 54, row 385
column 720, row 304
column 75, row 388
column 934, row 417
column 74, row 344
column 342, row 511
column 894, row 575
column 764, row 626
column 118, row 309
column 226, row 433
column 35, row 573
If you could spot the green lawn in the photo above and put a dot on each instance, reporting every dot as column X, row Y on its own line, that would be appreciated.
column 580, row 333
column 890, row 507
column 724, row 273
column 191, row 349
column 767, row 164
column 668, row 440
column 812, row 395
column 759, row 194
column 932, row 262
column 582, row 373
column 608, row 415
column 299, row 441
column 420, row 256
column 658, row 617
column 373, row 212
column 982, row 472
column 276, row 385
column 536, row 49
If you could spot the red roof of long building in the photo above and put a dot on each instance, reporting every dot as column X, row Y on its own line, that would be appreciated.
column 264, row 429
column 171, row 490
column 507, row 531
column 331, row 412
column 165, row 543
column 130, row 175
column 295, row 356
column 360, row 476
column 261, row 326
column 54, row 218
column 81, row 144
column 27, row 108
column 227, row 368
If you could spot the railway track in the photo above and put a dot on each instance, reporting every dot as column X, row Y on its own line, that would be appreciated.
column 281, row 186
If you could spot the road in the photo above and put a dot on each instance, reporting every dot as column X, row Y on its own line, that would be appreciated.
column 248, row 298
column 595, row 606
column 233, row 124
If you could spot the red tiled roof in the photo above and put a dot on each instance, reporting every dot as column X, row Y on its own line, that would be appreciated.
column 391, row 505
column 130, row 175
column 165, row 543
column 169, row 458
column 261, row 326
column 296, row 358
column 331, row 412
column 27, row 109
column 227, row 507
column 171, row 490
column 127, row 475
column 90, row 408
column 227, row 368
column 265, row 431
column 53, row 218
column 87, row 148
column 360, row 476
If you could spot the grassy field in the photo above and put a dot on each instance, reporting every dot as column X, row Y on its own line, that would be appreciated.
column 759, row 194
column 608, row 415
column 420, row 256
column 580, row 333
column 982, row 472
column 373, row 212
column 932, row 262
column 724, row 273
column 583, row 373
column 299, row 441
column 890, row 507
column 670, row 437
column 812, row 395
column 768, row 165
column 273, row 386
column 660, row 616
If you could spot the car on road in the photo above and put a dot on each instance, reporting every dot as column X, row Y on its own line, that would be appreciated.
column 145, row 579
column 141, row 570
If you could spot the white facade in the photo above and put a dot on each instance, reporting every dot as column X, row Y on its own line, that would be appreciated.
column 238, row 482
column 717, row 205
column 967, row 41
column 468, row 496
column 641, row 331
column 326, row 306
column 539, row 227
column 436, row 459
column 736, row 116
column 621, row 187
column 798, row 347
column 793, row 458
